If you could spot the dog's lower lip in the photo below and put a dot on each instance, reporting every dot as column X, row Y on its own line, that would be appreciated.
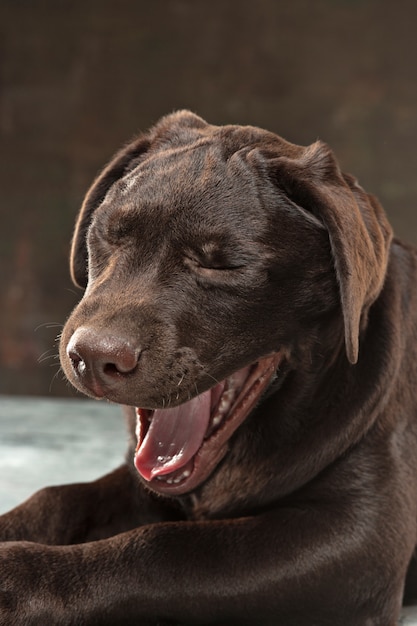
column 227, row 413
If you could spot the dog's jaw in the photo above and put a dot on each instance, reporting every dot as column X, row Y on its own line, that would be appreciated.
column 178, row 448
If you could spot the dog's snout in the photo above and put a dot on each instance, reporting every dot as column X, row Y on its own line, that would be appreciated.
column 98, row 359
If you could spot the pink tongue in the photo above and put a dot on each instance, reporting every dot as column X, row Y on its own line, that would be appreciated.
column 174, row 436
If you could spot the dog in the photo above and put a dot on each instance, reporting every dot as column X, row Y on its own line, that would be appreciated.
column 247, row 304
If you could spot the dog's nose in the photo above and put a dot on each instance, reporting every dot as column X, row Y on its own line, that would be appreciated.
column 98, row 359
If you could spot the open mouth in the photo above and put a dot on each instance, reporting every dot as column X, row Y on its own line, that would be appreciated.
column 179, row 447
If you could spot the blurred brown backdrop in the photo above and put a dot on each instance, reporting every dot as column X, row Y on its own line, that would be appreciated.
column 79, row 77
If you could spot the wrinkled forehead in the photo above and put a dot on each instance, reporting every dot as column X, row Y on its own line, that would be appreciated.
column 200, row 177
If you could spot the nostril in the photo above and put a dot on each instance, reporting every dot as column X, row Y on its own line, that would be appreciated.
column 110, row 369
column 125, row 362
column 77, row 362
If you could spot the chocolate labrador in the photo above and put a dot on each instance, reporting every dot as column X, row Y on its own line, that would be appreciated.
column 245, row 301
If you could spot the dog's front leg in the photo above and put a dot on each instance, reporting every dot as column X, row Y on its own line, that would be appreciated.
column 82, row 512
column 290, row 568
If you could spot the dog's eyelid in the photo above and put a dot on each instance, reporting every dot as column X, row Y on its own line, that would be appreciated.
column 212, row 267
column 222, row 268
column 199, row 263
column 223, row 253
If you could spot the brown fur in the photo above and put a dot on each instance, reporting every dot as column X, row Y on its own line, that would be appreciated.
column 203, row 249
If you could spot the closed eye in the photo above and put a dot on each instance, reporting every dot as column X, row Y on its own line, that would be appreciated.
column 220, row 265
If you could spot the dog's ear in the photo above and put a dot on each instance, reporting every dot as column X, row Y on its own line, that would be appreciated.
column 117, row 167
column 359, row 232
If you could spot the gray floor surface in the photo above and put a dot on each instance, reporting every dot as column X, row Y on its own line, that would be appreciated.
column 50, row 442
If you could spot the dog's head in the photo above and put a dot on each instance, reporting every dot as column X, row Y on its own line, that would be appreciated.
column 212, row 259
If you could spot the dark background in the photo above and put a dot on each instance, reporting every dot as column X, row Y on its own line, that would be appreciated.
column 79, row 78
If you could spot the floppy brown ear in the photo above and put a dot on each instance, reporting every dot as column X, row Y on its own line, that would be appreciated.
column 359, row 232
column 95, row 196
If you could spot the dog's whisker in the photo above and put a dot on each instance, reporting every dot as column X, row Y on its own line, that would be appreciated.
column 44, row 356
column 54, row 365
column 217, row 382
column 72, row 291
column 49, row 354
column 55, row 377
column 48, row 325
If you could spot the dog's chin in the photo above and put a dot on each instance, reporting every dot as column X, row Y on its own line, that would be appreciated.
column 178, row 448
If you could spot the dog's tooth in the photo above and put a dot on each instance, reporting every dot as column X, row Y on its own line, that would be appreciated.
column 223, row 406
column 217, row 419
column 229, row 394
column 185, row 474
column 225, row 402
column 174, row 481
